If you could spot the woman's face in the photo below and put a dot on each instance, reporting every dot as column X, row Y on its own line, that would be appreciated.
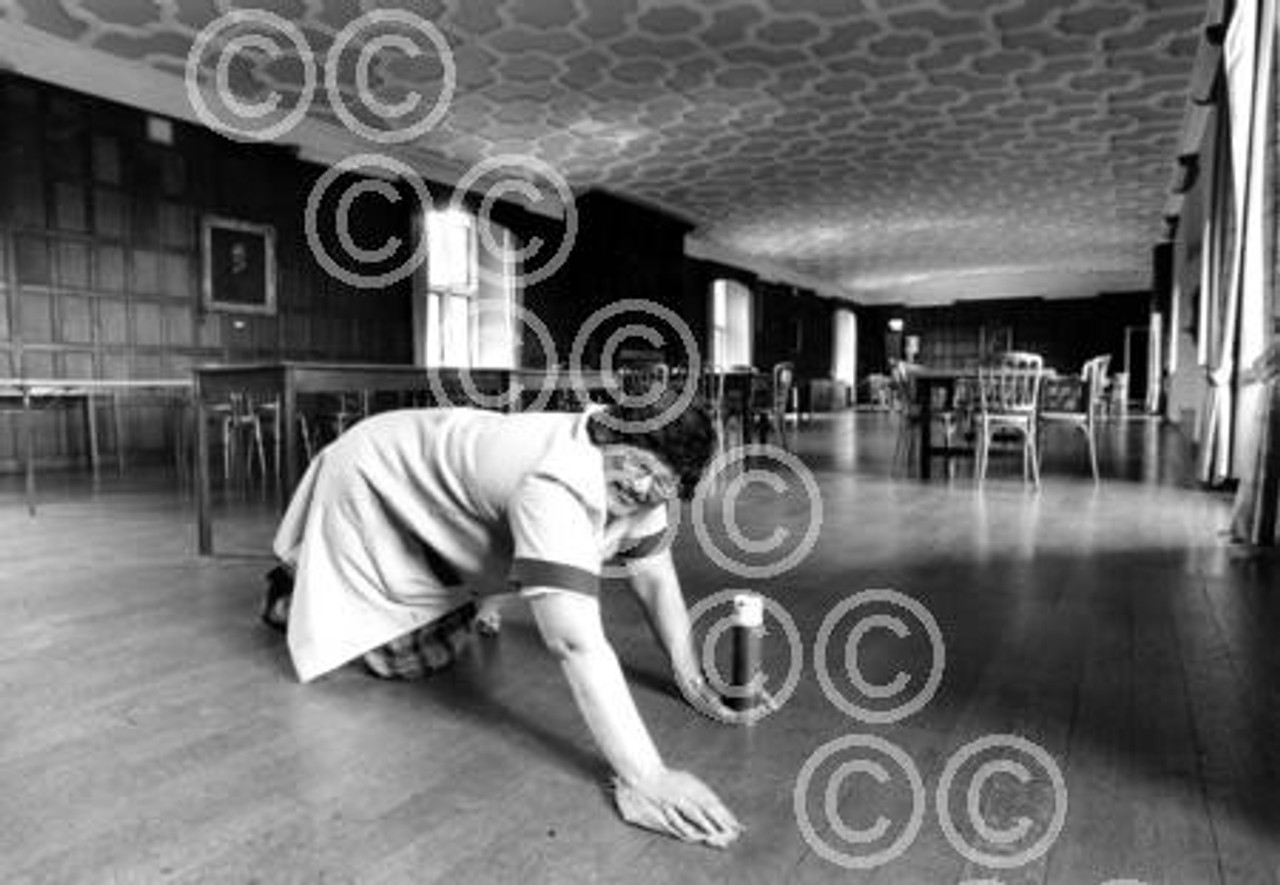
column 635, row 479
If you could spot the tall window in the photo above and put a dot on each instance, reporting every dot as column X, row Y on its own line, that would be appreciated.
column 494, row 339
column 471, row 294
column 844, row 360
column 451, row 239
column 730, row 324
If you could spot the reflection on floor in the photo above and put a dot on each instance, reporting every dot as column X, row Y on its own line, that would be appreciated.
column 152, row 730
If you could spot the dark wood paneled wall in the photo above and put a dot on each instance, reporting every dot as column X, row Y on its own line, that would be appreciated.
column 624, row 250
column 621, row 250
column 1065, row 332
column 100, row 259
column 794, row 325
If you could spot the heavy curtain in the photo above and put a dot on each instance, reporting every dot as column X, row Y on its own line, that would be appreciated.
column 1216, row 343
column 1252, row 450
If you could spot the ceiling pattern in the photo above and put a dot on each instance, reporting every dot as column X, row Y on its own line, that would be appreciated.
column 901, row 150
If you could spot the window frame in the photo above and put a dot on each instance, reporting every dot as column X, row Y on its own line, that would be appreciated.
column 454, row 305
column 731, row 338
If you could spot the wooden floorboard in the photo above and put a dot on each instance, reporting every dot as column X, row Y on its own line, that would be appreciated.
column 151, row 730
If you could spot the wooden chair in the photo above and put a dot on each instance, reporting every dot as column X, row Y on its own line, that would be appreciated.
column 1009, row 394
column 242, row 438
column 725, row 396
column 252, row 426
column 1084, row 412
column 1117, row 400
column 879, row 391
column 269, row 418
column 770, row 402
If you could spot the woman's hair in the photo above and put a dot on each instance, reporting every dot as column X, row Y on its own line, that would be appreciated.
column 682, row 436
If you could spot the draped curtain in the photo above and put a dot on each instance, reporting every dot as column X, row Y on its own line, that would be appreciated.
column 1249, row 329
column 1217, row 335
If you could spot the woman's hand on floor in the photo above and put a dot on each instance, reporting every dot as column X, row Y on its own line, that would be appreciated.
column 679, row 804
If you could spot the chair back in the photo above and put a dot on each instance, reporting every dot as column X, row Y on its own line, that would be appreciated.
column 1012, row 385
column 901, row 387
column 1094, row 374
column 242, row 409
column 783, row 379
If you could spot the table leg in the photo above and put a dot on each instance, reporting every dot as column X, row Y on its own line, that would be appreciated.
column 29, row 452
column 289, row 430
column 176, row 412
column 91, row 423
column 204, row 525
column 119, row 432
column 925, row 393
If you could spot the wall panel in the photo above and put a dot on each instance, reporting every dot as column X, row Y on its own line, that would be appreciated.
column 110, row 215
column 99, row 232
column 109, row 269
column 113, row 321
column 77, row 320
column 35, row 313
column 70, row 211
column 72, row 264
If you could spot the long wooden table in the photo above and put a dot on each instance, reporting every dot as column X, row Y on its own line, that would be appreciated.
column 32, row 394
column 284, row 382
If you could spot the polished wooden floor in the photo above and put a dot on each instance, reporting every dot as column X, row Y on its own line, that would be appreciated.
column 151, row 730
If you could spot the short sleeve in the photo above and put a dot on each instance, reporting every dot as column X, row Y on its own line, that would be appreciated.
column 646, row 537
column 555, row 537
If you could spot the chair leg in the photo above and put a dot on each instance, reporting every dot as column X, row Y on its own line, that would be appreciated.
column 1026, row 451
column 1093, row 452
column 226, row 451
column 1032, row 456
column 277, row 444
column 949, row 431
column 250, row 448
column 306, row 437
column 260, row 447
column 903, row 448
column 984, row 453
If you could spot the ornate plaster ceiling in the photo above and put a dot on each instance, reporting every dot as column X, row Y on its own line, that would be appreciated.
column 897, row 150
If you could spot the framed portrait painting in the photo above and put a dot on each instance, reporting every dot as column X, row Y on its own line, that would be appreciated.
column 239, row 266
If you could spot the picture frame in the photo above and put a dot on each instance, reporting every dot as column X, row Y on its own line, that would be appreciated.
column 238, row 266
